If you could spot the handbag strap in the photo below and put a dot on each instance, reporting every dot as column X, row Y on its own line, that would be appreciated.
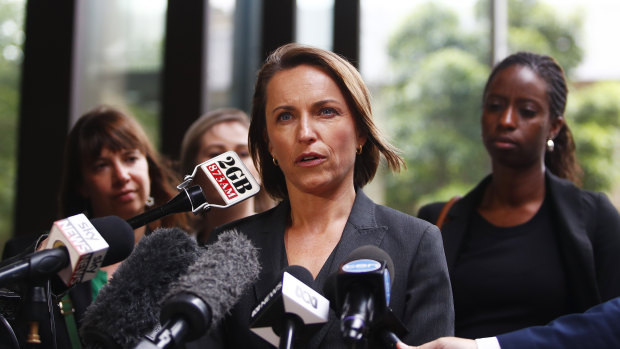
column 445, row 209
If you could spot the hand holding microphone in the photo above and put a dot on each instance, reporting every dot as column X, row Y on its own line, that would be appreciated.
column 292, row 312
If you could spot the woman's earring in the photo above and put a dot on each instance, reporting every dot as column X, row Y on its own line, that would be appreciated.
column 358, row 151
column 275, row 161
column 150, row 201
column 550, row 145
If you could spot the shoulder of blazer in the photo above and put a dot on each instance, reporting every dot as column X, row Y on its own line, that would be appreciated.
column 460, row 208
column 430, row 212
column 577, row 206
column 570, row 202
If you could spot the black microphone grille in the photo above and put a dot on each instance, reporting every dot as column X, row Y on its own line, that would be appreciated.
column 300, row 273
column 221, row 274
column 119, row 236
column 374, row 253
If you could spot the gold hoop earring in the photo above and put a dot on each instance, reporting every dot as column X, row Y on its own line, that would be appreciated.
column 550, row 145
column 358, row 151
column 275, row 161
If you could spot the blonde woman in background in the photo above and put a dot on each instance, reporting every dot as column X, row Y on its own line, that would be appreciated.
column 212, row 134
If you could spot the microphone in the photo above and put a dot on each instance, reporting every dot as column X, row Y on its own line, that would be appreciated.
column 76, row 248
column 226, row 172
column 360, row 291
column 292, row 312
column 126, row 307
column 186, row 200
column 229, row 175
column 201, row 297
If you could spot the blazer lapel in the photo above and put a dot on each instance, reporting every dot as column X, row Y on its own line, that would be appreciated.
column 271, row 233
column 361, row 229
column 456, row 223
column 570, row 220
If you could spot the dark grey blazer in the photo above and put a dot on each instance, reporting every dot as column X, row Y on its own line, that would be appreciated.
column 421, row 294
column 588, row 227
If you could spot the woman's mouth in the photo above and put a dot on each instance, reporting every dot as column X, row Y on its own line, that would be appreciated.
column 126, row 196
column 309, row 159
column 504, row 143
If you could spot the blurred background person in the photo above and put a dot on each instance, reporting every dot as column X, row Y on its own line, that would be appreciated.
column 212, row 134
column 109, row 168
column 527, row 245
column 313, row 139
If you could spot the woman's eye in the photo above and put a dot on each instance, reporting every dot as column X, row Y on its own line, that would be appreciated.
column 97, row 166
column 328, row 111
column 132, row 157
column 528, row 113
column 243, row 153
column 285, row 116
column 493, row 106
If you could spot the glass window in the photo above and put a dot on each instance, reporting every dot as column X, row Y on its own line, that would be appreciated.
column 220, row 53
column 11, row 40
column 313, row 24
column 118, row 58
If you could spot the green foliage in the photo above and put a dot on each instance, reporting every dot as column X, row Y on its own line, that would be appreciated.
column 435, row 122
column 11, row 13
column 594, row 113
column 537, row 27
column 434, row 105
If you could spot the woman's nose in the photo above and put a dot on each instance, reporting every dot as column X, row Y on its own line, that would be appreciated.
column 306, row 132
column 121, row 173
column 507, row 118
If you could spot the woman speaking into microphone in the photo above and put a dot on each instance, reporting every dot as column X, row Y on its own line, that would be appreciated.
column 314, row 141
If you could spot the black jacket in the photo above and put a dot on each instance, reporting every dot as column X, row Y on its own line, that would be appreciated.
column 588, row 227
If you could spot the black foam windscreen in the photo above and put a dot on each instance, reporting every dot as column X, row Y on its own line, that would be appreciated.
column 220, row 275
column 128, row 307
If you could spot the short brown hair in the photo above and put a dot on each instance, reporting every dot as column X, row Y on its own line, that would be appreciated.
column 108, row 127
column 357, row 96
